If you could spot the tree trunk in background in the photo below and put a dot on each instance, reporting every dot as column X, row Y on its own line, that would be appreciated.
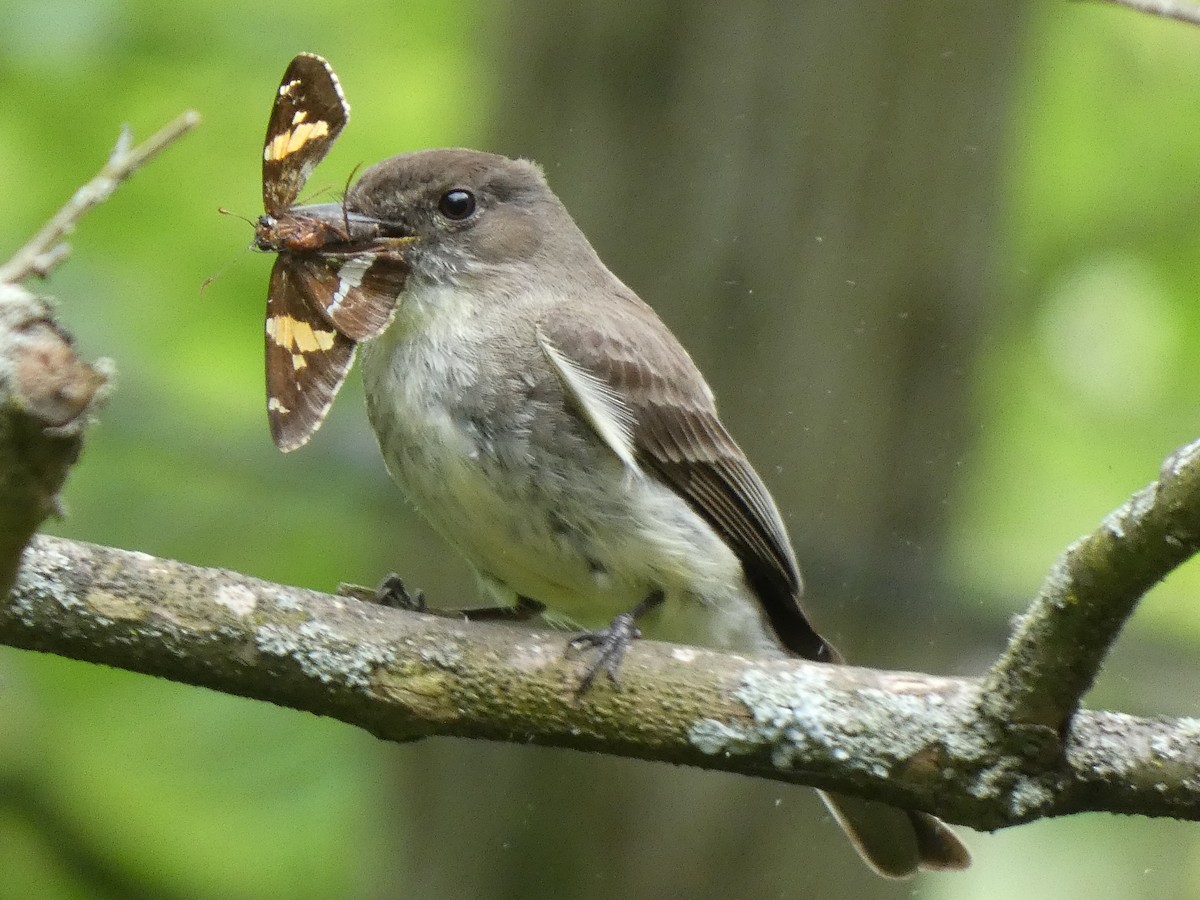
column 807, row 194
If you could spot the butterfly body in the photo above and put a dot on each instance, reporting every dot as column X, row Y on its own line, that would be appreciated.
column 290, row 232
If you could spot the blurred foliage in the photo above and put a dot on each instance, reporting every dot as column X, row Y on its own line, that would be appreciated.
column 1093, row 383
column 1089, row 386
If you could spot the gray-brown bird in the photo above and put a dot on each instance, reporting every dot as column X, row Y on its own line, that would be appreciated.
column 552, row 429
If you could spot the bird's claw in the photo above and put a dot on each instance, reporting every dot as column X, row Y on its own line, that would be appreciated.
column 392, row 593
column 612, row 643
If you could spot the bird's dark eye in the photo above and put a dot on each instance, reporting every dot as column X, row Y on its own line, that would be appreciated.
column 457, row 204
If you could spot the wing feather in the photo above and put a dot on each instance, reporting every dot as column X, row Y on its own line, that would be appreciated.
column 677, row 436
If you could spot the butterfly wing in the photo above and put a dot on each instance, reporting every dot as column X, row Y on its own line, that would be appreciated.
column 367, row 286
column 306, row 357
column 309, row 113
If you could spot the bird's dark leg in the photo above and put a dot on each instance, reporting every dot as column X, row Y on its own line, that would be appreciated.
column 392, row 592
column 612, row 642
column 525, row 609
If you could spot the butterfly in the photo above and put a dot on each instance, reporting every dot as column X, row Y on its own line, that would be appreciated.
column 337, row 276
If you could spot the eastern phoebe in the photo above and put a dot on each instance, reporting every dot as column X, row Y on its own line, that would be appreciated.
column 550, row 427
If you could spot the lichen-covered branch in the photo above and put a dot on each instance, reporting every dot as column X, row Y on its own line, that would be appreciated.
column 915, row 740
column 47, row 393
column 1061, row 641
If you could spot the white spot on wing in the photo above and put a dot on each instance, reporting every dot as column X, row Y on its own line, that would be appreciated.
column 602, row 406
column 350, row 276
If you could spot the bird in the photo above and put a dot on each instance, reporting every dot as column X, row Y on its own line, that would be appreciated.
column 548, row 424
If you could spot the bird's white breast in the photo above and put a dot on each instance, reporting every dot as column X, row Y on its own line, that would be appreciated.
column 474, row 427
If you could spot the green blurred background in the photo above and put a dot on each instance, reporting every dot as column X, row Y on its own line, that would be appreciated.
column 937, row 261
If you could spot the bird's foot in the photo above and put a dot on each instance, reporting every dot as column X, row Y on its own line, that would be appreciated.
column 612, row 643
column 390, row 592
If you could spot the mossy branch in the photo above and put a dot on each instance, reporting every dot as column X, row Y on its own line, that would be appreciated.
column 914, row 740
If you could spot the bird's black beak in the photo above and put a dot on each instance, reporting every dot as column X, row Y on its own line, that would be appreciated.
column 357, row 226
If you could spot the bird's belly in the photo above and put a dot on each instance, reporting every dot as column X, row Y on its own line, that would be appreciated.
column 521, row 523
column 506, row 494
column 549, row 513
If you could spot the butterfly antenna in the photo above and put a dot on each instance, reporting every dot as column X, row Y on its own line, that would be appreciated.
column 225, row 212
column 345, row 191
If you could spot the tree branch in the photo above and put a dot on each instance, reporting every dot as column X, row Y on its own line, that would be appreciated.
column 992, row 753
column 47, row 394
column 1060, row 642
column 47, row 248
column 914, row 740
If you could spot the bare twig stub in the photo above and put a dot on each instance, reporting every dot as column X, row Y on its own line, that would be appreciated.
column 47, row 248
column 46, row 393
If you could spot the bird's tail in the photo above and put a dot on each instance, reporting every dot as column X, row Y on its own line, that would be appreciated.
column 896, row 842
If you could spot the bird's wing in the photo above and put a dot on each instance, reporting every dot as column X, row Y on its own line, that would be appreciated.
column 639, row 390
